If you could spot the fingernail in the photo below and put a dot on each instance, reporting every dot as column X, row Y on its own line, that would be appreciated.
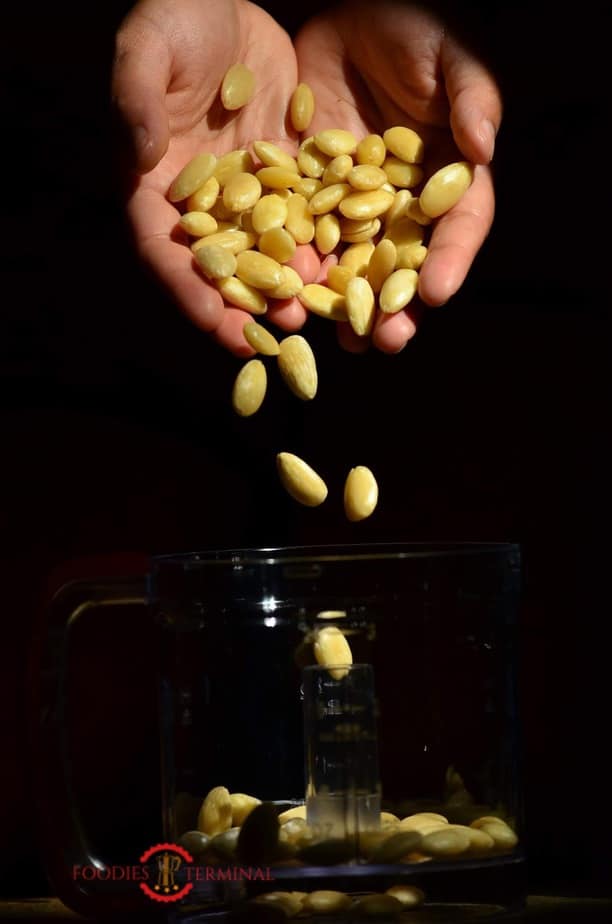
column 486, row 133
column 141, row 141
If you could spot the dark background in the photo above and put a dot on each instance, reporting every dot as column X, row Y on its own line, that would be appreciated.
column 491, row 424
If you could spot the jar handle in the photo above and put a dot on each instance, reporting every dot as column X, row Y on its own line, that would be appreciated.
column 63, row 842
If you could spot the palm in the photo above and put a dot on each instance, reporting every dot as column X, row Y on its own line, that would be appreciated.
column 369, row 72
column 196, row 121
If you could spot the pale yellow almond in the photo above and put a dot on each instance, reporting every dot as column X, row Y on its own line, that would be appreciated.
column 480, row 841
column 269, row 212
column 205, row 196
column 410, row 256
column 445, row 188
column 326, row 901
column 404, row 143
column 332, row 614
column 389, row 187
column 242, row 806
column 394, row 848
column 424, row 817
column 327, row 232
column 272, row 156
column 369, row 230
column 398, row 290
column 260, row 339
column 370, row 204
column 215, row 815
column 311, row 161
column 360, row 305
column 332, row 650
column 278, row 244
column 216, row 262
column 238, row 87
column 360, row 491
column 293, row 830
column 242, row 295
column 338, row 278
column 221, row 212
column 289, row 904
column 277, row 177
column 298, row 811
column 239, row 161
column 258, row 270
column 323, row 301
column 365, row 177
column 298, row 367
column 241, row 192
column 486, row 819
column 405, row 231
column 198, row 224
column 246, row 221
column 369, row 907
column 413, row 210
column 445, row 843
column 300, row 480
column 397, row 209
column 291, row 284
column 300, row 220
column 307, row 186
column 337, row 169
column 233, row 240
column 382, row 264
column 327, row 198
column 193, row 175
column 335, row 141
column 502, row 834
column 233, row 225
column 402, row 174
column 408, row 895
column 371, row 151
column 387, row 818
column 357, row 257
column 301, row 107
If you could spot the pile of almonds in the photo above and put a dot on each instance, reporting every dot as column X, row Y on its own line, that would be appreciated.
column 350, row 198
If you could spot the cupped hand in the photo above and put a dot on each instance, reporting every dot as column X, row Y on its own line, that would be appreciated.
column 372, row 66
column 170, row 60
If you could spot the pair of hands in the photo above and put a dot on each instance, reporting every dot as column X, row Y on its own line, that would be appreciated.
column 369, row 67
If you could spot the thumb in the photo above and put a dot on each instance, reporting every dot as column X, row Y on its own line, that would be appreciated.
column 475, row 102
column 139, row 80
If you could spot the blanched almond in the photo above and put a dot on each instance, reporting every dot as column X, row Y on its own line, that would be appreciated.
column 360, row 493
column 298, row 367
column 300, row 480
column 249, row 388
column 360, row 305
column 261, row 339
column 332, row 650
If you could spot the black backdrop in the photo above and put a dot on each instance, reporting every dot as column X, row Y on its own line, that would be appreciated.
column 492, row 423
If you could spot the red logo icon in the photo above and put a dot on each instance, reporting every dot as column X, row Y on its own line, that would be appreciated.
column 168, row 859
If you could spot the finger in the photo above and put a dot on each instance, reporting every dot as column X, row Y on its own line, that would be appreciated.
column 393, row 331
column 287, row 313
column 456, row 239
column 349, row 340
column 140, row 76
column 305, row 262
column 154, row 220
column 475, row 101
column 229, row 334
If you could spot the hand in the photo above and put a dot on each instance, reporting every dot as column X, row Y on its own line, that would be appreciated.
column 171, row 57
column 391, row 63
